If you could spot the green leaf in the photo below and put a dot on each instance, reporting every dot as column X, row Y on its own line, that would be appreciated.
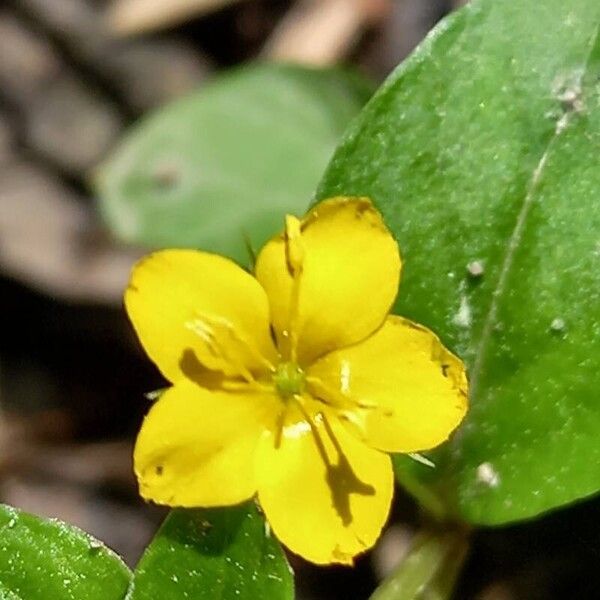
column 221, row 167
column 46, row 559
column 213, row 554
column 484, row 147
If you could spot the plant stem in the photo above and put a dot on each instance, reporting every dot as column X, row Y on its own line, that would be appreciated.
column 430, row 570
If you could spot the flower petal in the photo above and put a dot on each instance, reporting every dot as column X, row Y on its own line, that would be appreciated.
column 400, row 390
column 327, row 514
column 192, row 308
column 348, row 266
column 197, row 446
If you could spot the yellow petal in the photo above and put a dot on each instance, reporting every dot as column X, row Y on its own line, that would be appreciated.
column 190, row 308
column 400, row 390
column 197, row 446
column 326, row 514
column 348, row 278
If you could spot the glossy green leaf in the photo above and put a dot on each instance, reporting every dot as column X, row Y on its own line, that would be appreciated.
column 45, row 559
column 213, row 554
column 221, row 167
column 483, row 152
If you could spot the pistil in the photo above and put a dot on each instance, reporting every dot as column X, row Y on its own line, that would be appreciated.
column 289, row 380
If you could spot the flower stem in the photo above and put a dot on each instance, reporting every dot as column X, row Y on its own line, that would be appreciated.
column 430, row 570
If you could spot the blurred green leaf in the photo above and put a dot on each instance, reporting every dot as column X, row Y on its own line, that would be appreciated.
column 46, row 559
column 213, row 554
column 222, row 166
column 482, row 151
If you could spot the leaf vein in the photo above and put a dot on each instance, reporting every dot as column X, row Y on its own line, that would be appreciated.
column 517, row 233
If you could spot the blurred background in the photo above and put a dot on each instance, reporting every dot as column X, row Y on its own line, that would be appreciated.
column 74, row 76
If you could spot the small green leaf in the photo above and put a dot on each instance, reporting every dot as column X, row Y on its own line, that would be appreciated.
column 213, row 554
column 218, row 169
column 46, row 559
column 482, row 151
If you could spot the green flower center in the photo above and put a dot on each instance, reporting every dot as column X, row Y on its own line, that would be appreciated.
column 289, row 380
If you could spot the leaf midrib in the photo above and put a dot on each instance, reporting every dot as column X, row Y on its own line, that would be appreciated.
column 514, row 240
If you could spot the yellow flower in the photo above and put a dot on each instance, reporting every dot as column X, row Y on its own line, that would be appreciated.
column 293, row 385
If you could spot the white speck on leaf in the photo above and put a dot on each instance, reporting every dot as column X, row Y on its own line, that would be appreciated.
column 487, row 475
column 558, row 324
column 463, row 317
column 567, row 89
column 95, row 544
column 562, row 123
column 475, row 268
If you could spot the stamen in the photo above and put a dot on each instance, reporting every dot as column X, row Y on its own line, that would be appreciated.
column 206, row 327
column 313, row 427
column 341, row 479
column 206, row 333
column 337, row 399
column 295, row 253
column 345, row 406
column 246, row 386
column 354, row 419
column 333, row 439
column 294, row 245
column 279, row 426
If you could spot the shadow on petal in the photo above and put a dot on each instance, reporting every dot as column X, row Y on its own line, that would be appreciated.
column 195, row 371
column 343, row 481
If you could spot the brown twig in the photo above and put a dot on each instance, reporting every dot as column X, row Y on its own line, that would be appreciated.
column 49, row 239
column 321, row 32
column 132, row 17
